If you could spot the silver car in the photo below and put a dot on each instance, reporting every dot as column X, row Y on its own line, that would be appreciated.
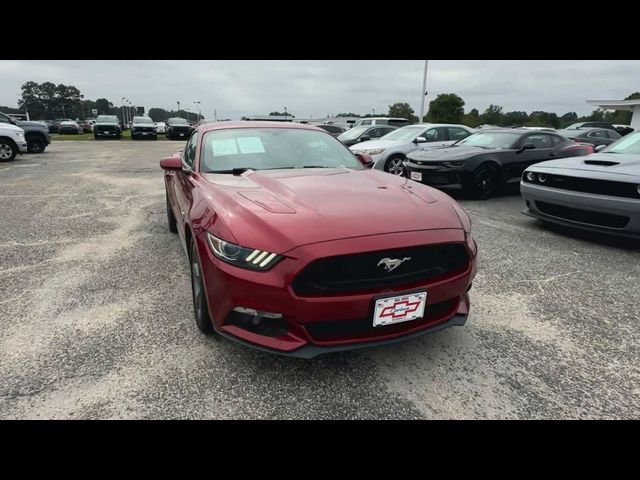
column 389, row 152
column 598, row 192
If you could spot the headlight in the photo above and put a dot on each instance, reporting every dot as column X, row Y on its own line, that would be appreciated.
column 20, row 135
column 376, row 151
column 242, row 257
column 530, row 176
column 452, row 164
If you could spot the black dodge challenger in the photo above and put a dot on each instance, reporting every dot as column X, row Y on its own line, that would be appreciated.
column 483, row 162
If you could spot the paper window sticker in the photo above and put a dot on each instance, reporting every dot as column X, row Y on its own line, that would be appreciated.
column 224, row 147
column 250, row 145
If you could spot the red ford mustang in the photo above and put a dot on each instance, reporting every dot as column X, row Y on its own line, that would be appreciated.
column 297, row 248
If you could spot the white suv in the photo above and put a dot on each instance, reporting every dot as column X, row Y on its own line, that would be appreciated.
column 12, row 141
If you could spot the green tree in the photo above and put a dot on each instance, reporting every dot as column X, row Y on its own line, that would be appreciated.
column 492, row 115
column 568, row 118
column 104, row 106
column 472, row 119
column 446, row 108
column 158, row 114
column 516, row 119
column 402, row 110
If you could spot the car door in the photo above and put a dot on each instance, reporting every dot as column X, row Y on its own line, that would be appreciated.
column 521, row 159
column 455, row 133
column 436, row 137
column 183, row 185
column 598, row 137
column 375, row 133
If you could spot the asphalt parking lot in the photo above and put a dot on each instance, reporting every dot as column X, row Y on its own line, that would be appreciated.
column 96, row 318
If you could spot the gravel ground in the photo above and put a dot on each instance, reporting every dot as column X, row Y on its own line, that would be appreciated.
column 96, row 318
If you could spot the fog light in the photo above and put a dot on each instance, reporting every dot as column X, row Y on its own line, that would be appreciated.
column 638, row 189
column 531, row 176
column 542, row 178
column 255, row 321
column 257, row 313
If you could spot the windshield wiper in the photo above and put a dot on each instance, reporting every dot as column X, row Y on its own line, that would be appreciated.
column 241, row 170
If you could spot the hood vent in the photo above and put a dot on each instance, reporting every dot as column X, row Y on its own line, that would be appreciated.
column 604, row 163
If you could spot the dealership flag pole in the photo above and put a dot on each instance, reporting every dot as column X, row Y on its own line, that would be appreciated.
column 424, row 91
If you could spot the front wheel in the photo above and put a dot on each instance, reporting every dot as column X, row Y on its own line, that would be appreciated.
column 484, row 182
column 394, row 165
column 8, row 150
column 35, row 145
column 200, row 310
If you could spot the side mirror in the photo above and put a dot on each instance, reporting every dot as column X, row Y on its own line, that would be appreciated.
column 365, row 159
column 365, row 138
column 171, row 163
column 599, row 147
column 420, row 140
column 527, row 146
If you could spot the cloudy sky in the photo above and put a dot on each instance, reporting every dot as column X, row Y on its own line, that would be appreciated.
column 317, row 88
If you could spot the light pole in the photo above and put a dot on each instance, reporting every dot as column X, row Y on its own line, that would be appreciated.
column 423, row 93
column 197, row 104
column 178, row 113
column 286, row 116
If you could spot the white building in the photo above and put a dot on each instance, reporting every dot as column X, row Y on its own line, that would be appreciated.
column 629, row 105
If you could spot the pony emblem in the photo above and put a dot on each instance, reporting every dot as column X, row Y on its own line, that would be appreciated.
column 390, row 264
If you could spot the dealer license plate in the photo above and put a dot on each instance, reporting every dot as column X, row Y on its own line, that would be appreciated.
column 399, row 309
column 416, row 176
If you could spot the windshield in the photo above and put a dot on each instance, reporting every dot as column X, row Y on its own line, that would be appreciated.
column 403, row 134
column 145, row 120
column 629, row 144
column 490, row 140
column 107, row 119
column 353, row 133
column 268, row 148
column 178, row 121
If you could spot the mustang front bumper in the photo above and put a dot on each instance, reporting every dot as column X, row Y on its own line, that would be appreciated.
column 228, row 287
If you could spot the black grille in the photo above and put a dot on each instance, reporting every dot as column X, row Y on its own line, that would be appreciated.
column 440, row 178
column 589, row 185
column 583, row 216
column 106, row 128
column 348, row 273
column 144, row 129
column 184, row 129
column 363, row 327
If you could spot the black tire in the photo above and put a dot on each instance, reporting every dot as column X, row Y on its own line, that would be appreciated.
column 155, row 137
column 133, row 137
column 36, row 144
column 200, row 310
column 394, row 166
column 171, row 218
column 484, row 182
column 8, row 150
column 96, row 136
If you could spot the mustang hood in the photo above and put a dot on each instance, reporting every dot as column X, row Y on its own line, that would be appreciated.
column 615, row 163
column 278, row 210
column 446, row 153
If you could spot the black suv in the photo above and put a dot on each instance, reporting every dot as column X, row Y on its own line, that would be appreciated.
column 177, row 128
column 107, row 126
column 143, row 127
column 36, row 133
